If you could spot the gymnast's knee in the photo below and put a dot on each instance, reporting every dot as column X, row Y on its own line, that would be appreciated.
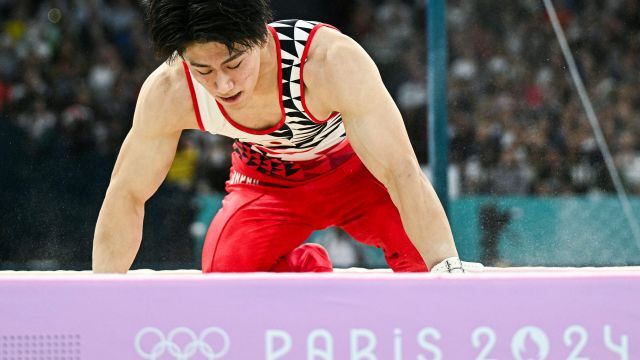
column 231, row 264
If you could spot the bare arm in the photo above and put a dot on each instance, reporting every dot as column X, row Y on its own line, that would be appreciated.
column 144, row 160
column 377, row 133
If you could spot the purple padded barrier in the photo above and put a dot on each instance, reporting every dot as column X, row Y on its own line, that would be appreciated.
column 594, row 315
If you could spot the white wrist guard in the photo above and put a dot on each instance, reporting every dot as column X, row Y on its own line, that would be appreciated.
column 453, row 265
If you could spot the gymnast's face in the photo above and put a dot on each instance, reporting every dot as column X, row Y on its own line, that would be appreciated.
column 230, row 77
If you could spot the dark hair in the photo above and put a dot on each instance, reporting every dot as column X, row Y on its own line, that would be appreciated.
column 176, row 24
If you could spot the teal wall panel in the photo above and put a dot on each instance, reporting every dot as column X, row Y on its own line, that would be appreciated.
column 550, row 231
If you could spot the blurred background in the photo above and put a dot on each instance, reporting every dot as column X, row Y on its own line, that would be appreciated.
column 528, row 184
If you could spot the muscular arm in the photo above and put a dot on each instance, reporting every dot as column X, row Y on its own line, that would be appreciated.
column 377, row 133
column 144, row 160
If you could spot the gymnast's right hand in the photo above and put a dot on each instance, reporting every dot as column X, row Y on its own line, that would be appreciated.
column 144, row 160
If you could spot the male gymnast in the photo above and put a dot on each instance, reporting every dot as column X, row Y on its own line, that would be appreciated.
column 319, row 142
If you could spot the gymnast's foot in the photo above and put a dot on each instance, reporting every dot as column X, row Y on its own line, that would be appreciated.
column 305, row 258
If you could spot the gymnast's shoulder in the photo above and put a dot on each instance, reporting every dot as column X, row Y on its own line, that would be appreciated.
column 164, row 102
column 335, row 63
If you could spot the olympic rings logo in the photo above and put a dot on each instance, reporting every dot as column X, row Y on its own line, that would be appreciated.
column 188, row 350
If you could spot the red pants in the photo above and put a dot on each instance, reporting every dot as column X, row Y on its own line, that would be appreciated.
column 258, row 225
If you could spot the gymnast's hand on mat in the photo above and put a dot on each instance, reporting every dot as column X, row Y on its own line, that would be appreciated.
column 454, row 265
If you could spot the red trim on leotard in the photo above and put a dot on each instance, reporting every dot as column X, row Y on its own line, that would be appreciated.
column 284, row 116
column 303, row 60
column 194, row 98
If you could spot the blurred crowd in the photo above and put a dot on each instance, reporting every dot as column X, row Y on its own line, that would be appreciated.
column 516, row 122
column 70, row 72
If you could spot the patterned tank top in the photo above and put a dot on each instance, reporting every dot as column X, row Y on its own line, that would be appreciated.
column 298, row 148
